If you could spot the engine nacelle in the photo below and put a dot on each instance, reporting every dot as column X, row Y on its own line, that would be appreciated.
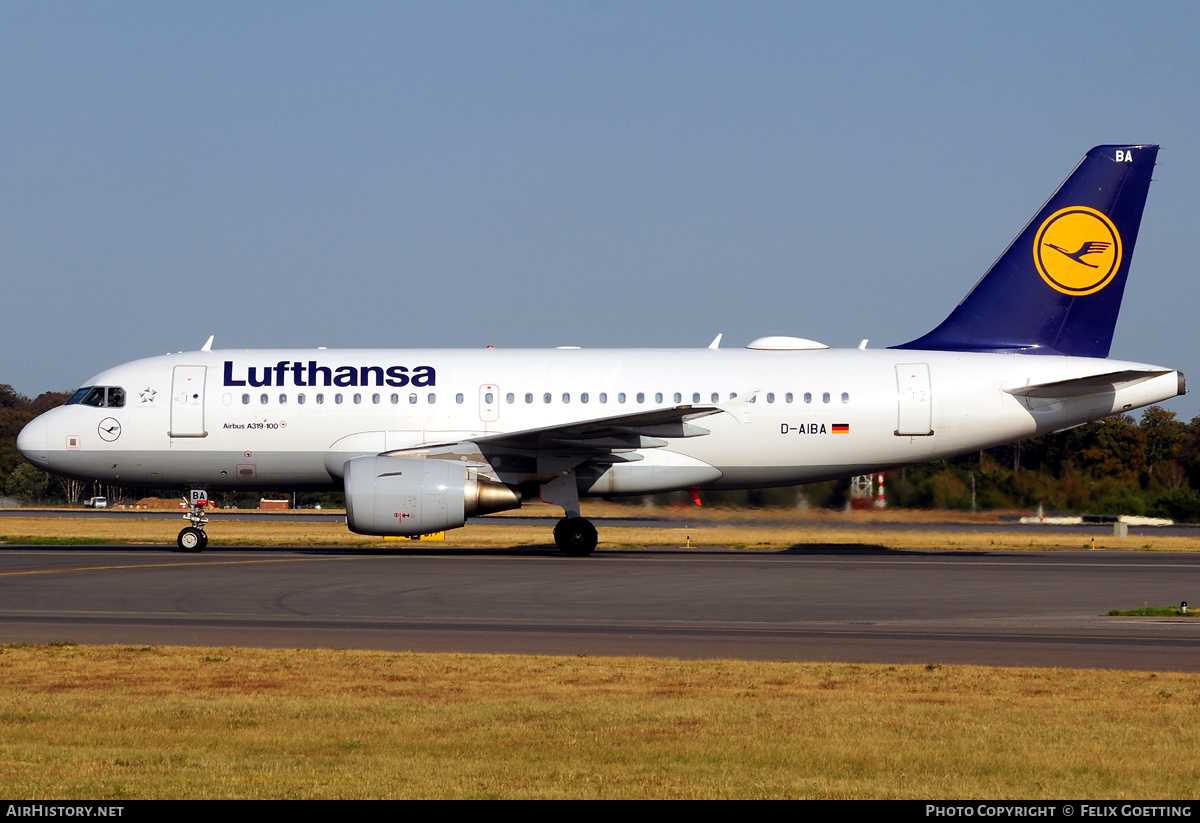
column 403, row 496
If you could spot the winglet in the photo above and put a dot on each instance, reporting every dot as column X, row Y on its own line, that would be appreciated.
column 1057, row 289
column 716, row 343
column 208, row 343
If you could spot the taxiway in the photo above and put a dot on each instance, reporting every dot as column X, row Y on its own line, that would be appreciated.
column 845, row 604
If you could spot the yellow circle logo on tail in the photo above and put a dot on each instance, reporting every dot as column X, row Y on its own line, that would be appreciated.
column 1077, row 250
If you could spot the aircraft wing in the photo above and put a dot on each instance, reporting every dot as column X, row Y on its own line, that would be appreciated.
column 551, row 449
column 637, row 430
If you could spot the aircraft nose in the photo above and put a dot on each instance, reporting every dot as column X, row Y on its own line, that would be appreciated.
column 34, row 442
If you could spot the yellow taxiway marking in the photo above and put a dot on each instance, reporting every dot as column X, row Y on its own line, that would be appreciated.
column 182, row 564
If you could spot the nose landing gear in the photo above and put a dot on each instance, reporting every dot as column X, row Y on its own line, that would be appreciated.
column 193, row 538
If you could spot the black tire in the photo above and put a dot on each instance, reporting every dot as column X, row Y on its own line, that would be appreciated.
column 575, row 536
column 192, row 539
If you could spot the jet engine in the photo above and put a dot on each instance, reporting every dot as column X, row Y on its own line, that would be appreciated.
column 403, row 496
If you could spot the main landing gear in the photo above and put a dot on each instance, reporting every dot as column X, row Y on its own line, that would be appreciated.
column 193, row 538
column 575, row 536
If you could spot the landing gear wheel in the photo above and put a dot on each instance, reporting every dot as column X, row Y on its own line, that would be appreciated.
column 575, row 536
column 192, row 540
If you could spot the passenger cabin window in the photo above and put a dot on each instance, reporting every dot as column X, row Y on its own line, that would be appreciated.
column 337, row 398
column 458, row 398
column 300, row 399
column 412, row 398
column 357, row 399
column 245, row 400
column 528, row 397
column 845, row 397
column 583, row 398
column 825, row 397
column 375, row 399
column 264, row 399
column 621, row 397
column 603, row 397
column 320, row 399
column 510, row 398
column 282, row 399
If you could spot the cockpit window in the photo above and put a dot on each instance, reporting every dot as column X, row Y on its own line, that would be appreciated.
column 90, row 396
column 95, row 396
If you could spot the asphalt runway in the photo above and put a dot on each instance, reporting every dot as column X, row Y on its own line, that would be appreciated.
column 847, row 604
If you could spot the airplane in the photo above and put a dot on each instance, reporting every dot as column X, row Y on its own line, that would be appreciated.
column 421, row 439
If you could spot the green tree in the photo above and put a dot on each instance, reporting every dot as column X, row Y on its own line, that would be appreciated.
column 27, row 483
column 15, row 412
column 1112, row 448
column 1164, row 439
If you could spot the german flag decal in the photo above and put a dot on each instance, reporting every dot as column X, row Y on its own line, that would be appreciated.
column 841, row 428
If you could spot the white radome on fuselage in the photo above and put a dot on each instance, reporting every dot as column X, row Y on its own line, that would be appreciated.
column 246, row 443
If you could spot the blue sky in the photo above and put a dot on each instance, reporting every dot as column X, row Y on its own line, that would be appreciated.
column 540, row 174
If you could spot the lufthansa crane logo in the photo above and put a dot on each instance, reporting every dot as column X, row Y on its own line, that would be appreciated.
column 1077, row 251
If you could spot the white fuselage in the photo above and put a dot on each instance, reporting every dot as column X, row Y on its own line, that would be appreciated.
column 290, row 418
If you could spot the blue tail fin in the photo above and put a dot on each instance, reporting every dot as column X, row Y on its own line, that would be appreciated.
column 1057, row 289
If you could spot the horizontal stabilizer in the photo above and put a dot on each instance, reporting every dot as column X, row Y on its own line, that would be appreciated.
column 1094, row 384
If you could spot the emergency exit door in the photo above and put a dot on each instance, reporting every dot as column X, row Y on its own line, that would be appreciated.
column 489, row 403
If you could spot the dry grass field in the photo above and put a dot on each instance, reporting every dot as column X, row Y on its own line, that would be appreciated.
column 158, row 722
column 772, row 531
